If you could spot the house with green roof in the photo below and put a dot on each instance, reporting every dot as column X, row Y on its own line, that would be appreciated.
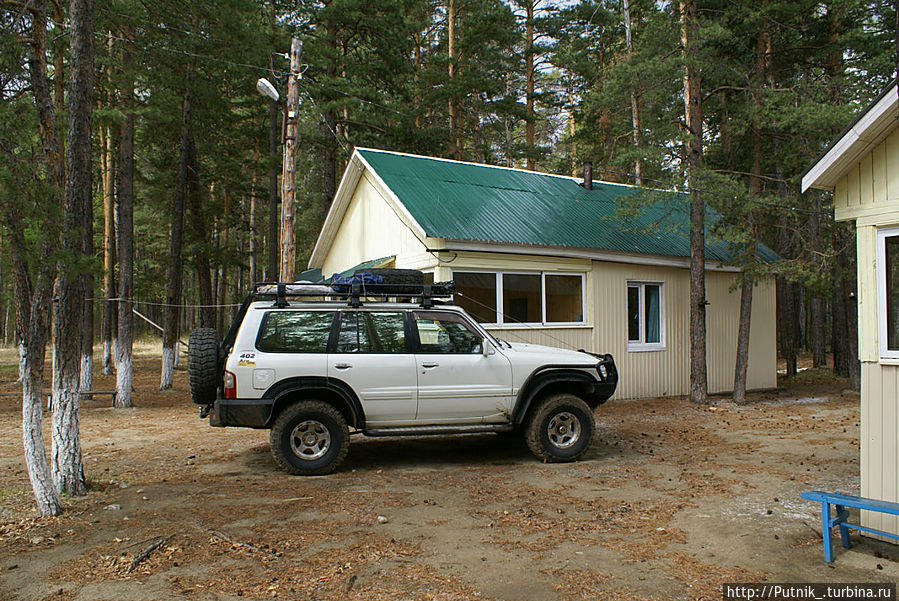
column 549, row 259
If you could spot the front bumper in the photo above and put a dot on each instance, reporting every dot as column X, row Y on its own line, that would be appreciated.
column 608, row 378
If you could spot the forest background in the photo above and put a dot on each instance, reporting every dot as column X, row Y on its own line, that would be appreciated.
column 152, row 108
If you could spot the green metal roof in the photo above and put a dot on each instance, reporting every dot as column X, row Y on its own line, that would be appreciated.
column 466, row 201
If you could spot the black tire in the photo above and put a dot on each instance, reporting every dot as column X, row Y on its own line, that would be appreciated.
column 559, row 429
column 203, row 375
column 327, row 443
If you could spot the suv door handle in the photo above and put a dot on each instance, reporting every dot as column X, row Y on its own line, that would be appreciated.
column 430, row 364
column 342, row 366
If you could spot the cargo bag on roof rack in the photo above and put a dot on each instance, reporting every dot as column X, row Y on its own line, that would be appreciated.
column 381, row 282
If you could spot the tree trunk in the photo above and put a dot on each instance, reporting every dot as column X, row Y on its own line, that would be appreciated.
column 252, row 244
column 87, row 333
column 125, row 247
column 742, row 363
column 635, row 106
column 839, row 310
column 200, row 230
column 174, row 271
column 529, row 113
column 846, row 289
column 693, row 160
column 109, row 254
column 67, row 468
column 454, row 120
column 32, row 305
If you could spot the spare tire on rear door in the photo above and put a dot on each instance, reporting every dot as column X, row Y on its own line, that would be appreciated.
column 203, row 375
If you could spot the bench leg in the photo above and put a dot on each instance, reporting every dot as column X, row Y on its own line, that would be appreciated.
column 842, row 516
column 825, row 532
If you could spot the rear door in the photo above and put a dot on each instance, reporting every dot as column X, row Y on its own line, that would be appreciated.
column 370, row 353
column 457, row 382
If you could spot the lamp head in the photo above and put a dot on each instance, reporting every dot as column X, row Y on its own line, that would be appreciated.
column 266, row 88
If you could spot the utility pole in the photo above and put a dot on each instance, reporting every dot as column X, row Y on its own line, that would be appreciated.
column 288, row 173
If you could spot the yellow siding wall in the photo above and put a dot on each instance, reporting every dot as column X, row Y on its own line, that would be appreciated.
column 869, row 195
column 879, row 452
column 870, row 189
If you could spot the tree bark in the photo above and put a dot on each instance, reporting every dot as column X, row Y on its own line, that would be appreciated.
column 529, row 112
column 125, row 245
column 693, row 160
column 32, row 304
column 109, row 254
column 840, row 330
column 742, row 363
column 200, row 229
column 67, row 468
column 174, row 271
column 635, row 106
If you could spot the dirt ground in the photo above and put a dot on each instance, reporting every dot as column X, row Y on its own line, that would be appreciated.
column 671, row 501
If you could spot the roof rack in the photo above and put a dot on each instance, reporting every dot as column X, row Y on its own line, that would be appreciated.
column 427, row 294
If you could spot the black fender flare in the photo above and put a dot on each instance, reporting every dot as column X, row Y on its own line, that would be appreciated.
column 540, row 379
column 348, row 402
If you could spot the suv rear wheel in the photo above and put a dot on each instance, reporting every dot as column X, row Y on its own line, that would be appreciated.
column 560, row 429
column 309, row 438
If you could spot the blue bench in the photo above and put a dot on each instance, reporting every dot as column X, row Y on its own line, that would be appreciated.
column 841, row 502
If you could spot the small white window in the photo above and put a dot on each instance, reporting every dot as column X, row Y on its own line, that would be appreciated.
column 645, row 316
column 887, row 273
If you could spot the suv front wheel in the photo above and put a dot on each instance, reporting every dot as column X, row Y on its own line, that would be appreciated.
column 560, row 429
column 309, row 438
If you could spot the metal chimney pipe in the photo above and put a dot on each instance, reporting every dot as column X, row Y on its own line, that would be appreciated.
column 588, row 175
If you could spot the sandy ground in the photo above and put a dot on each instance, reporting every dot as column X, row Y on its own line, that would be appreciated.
column 671, row 501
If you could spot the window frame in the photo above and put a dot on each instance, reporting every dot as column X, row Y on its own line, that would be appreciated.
column 264, row 321
column 412, row 318
column 639, row 346
column 500, row 316
column 884, row 352
column 338, row 327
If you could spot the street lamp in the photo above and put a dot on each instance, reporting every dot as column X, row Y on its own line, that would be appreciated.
column 266, row 88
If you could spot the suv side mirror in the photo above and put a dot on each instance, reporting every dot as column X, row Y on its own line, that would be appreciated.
column 486, row 348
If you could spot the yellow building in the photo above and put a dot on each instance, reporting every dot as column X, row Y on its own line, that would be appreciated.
column 862, row 168
column 548, row 260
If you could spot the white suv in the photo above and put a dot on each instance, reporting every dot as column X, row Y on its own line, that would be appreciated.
column 313, row 371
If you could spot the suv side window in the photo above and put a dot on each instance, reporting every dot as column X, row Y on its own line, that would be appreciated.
column 295, row 332
column 371, row 332
column 446, row 333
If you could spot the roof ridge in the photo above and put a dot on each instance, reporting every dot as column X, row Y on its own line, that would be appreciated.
column 489, row 166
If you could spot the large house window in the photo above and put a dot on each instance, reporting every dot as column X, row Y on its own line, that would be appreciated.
column 888, row 292
column 527, row 298
column 645, row 316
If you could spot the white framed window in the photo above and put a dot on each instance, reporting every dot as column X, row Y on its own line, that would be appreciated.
column 528, row 298
column 645, row 316
column 887, row 274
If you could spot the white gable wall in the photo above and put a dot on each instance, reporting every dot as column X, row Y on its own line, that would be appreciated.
column 371, row 228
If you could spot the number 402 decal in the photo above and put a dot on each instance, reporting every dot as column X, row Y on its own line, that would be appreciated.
column 244, row 359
